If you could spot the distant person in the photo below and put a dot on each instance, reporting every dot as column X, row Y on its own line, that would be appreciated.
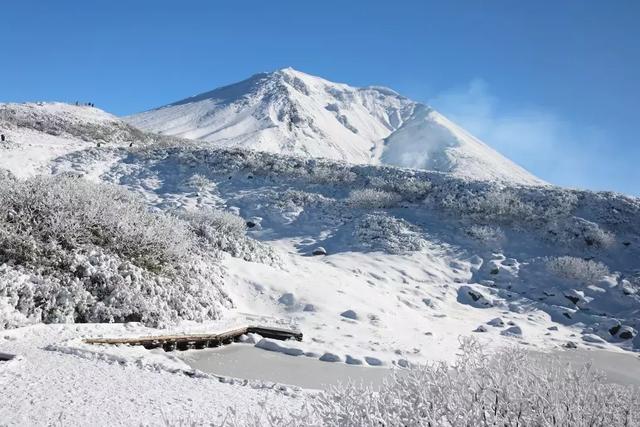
column 2, row 138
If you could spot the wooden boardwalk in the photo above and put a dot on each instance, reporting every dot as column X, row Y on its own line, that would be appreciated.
column 5, row 357
column 199, row 341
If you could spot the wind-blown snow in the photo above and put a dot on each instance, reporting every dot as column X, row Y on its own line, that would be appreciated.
column 290, row 112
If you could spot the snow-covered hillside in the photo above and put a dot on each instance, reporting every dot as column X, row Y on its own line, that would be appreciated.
column 36, row 133
column 175, row 232
column 290, row 112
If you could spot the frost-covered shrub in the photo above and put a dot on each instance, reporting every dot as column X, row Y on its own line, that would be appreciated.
column 389, row 234
column 485, row 233
column 225, row 231
column 74, row 251
column 294, row 199
column 330, row 174
column 98, row 287
column 580, row 231
column 199, row 182
column 71, row 212
column 586, row 271
column 368, row 198
column 521, row 206
column 507, row 388
column 409, row 188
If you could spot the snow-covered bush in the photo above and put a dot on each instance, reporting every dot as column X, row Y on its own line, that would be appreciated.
column 508, row 388
column 544, row 209
column 586, row 271
column 389, row 234
column 74, row 251
column 93, row 286
column 368, row 198
column 485, row 233
column 580, row 231
column 200, row 183
column 321, row 173
column 69, row 213
column 409, row 188
column 521, row 206
column 225, row 231
column 295, row 199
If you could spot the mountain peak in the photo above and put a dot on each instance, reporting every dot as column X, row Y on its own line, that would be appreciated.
column 288, row 111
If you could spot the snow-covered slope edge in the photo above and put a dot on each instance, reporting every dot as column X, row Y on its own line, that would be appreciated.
column 440, row 252
column 36, row 133
column 290, row 112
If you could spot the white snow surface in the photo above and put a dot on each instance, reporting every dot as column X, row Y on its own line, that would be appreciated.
column 427, row 258
column 37, row 133
column 290, row 112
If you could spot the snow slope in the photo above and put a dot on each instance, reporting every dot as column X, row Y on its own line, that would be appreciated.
column 37, row 133
column 415, row 259
column 290, row 112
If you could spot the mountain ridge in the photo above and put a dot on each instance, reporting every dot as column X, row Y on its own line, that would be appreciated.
column 290, row 112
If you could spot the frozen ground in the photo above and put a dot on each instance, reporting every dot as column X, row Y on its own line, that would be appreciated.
column 407, row 269
column 68, row 386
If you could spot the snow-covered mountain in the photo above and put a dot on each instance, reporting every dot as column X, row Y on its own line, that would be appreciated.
column 290, row 112
column 413, row 261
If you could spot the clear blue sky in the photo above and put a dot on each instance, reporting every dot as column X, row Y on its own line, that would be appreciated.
column 552, row 84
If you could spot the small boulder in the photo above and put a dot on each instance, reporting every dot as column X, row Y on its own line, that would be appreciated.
column 514, row 331
column 270, row 345
column 287, row 299
column 552, row 328
column 373, row 361
column 350, row 314
column 330, row 357
column 349, row 360
column 570, row 344
column 497, row 322
column 626, row 332
column 292, row 351
column 480, row 328
column 319, row 251
column 473, row 297
column 510, row 262
column 403, row 363
column 309, row 307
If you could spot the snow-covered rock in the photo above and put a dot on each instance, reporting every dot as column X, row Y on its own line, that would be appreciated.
column 513, row 331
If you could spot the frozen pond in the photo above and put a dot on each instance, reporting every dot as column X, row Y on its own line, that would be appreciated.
column 248, row 362
column 620, row 368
